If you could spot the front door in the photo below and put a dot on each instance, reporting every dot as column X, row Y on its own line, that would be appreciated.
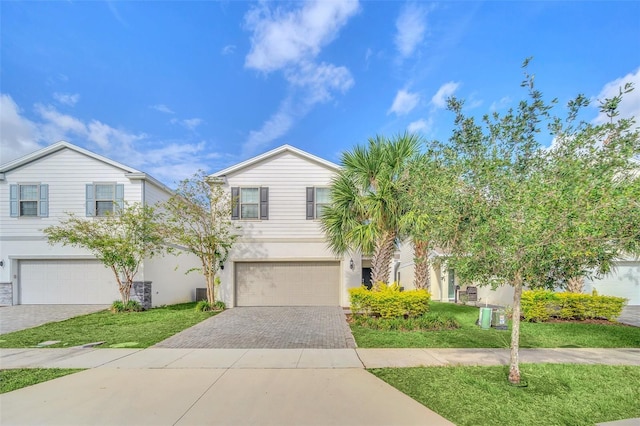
column 452, row 284
column 366, row 277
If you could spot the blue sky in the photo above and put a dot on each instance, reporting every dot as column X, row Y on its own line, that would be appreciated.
column 172, row 87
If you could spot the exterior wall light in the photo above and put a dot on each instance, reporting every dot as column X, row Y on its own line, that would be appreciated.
column 352, row 265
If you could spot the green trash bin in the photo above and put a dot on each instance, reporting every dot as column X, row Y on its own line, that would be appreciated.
column 485, row 318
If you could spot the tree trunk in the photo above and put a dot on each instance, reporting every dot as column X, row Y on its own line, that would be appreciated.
column 123, row 288
column 211, row 295
column 381, row 260
column 514, row 362
column 421, row 262
column 575, row 284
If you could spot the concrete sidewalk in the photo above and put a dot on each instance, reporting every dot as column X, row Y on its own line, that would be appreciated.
column 243, row 386
column 164, row 358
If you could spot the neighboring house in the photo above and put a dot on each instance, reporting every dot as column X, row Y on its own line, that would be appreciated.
column 622, row 281
column 37, row 191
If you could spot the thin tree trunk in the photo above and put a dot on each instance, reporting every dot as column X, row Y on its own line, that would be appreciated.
column 421, row 262
column 381, row 260
column 514, row 362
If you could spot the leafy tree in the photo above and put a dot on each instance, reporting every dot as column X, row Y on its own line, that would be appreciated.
column 198, row 219
column 121, row 241
column 517, row 211
column 366, row 205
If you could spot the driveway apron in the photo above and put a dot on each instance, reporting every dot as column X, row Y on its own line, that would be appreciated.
column 630, row 315
column 321, row 327
column 20, row 317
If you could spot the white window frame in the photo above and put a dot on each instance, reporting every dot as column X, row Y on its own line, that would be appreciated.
column 316, row 204
column 96, row 200
column 36, row 200
column 240, row 203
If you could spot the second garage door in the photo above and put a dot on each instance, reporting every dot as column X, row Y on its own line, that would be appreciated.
column 66, row 282
column 287, row 283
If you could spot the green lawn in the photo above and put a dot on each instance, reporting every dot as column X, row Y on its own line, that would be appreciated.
column 129, row 329
column 532, row 335
column 557, row 394
column 11, row 380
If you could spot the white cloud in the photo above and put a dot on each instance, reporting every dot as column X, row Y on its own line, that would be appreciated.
column 445, row 91
column 411, row 28
column 320, row 80
column 502, row 103
column 19, row 136
column 192, row 123
column 67, row 98
column 289, row 41
column 275, row 127
column 283, row 38
column 228, row 49
column 189, row 123
column 420, row 126
column 630, row 105
column 162, row 108
column 404, row 102
column 167, row 160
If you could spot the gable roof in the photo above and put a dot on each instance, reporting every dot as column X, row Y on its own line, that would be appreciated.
column 58, row 146
column 273, row 153
column 130, row 172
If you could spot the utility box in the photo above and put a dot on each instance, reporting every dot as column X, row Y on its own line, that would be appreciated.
column 485, row 318
column 472, row 294
column 499, row 319
column 201, row 294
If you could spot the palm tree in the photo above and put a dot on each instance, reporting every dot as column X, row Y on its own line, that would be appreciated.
column 366, row 201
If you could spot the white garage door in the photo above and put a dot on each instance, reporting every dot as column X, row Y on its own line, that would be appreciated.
column 622, row 281
column 287, row 283
column 66, row 282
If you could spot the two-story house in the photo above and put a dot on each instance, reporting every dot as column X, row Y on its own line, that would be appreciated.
column 281, row 256
column 37, row 191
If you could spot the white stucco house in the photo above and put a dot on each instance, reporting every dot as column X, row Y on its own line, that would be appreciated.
column 37, row 191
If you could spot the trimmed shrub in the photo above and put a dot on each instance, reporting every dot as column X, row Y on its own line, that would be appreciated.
column 389, row 301
column 205, row 306
column 541, row 305
column 130, row 306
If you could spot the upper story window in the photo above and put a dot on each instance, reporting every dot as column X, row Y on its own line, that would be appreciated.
column 29, row 200
column 104, row 198
column 317, row 200
column 250, row 203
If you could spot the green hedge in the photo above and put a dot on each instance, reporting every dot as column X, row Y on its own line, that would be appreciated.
column 540, row 305
column 389, row 301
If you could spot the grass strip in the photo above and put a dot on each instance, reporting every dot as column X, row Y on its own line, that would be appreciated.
column 13, row 379
column 469, row 335
column 557, row 394
column 146, row 328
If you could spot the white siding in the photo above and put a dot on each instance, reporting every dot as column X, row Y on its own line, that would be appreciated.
column 154, row 194
column 287, row 175
column 66, row 172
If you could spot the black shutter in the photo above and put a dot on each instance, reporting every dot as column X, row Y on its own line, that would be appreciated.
column 310, row 194
column 235, row 203
column 264, row 203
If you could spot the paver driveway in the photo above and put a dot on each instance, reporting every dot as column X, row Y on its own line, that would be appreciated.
column 323, row 327
column 19, row 317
